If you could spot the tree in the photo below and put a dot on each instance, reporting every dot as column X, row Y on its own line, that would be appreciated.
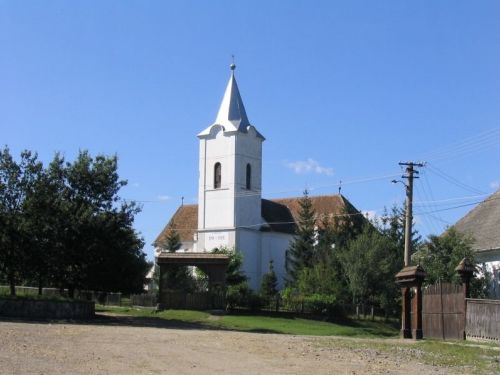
column 301, row 252
column 66, row 226
column 234, row 273
column 172, row 242
column 439, row 256
column 90, row 200
column 269, row 284
column 16, row 184
column 367, row 266
column 176, row 277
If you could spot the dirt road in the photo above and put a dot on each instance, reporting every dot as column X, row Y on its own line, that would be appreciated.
column 132, row 346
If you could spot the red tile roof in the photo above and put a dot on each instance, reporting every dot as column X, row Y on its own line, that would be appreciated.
column 280, row 215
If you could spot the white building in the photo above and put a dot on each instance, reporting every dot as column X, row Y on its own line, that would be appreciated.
column 230, row 211
column 483, row 224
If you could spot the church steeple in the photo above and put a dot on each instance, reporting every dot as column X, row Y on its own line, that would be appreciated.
column 232, row 116
column 232, row 112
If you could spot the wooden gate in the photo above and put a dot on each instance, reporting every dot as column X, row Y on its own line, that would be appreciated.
column 443, row 311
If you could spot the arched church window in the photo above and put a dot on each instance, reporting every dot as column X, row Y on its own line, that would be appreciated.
column 217, row 176
column 249, row 177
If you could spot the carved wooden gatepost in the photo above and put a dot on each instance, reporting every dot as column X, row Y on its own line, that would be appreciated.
column 466, row 271
column 410, row 281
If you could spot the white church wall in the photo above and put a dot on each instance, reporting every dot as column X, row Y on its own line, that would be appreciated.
column 216, row 209
column 249, row 244
column 248, row 201
column 274, row 247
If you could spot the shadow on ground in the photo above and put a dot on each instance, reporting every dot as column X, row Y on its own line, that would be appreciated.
column 109, row 319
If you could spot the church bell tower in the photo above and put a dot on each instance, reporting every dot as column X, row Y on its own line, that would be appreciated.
column 230, row 177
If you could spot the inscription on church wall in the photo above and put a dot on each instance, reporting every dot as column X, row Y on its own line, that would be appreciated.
column 216, row 239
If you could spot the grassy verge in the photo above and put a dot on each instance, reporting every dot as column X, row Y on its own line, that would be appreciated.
column 264, row 324
column 466, row 357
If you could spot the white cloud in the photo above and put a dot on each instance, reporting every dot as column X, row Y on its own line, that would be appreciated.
column 495, row 184
column 136, row 184
column 163, row 198
column 309, row 165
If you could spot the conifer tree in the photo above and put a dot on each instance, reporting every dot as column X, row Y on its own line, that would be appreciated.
column 172, row 242
column 301, row 252
column 176, row 277
column 269, row 285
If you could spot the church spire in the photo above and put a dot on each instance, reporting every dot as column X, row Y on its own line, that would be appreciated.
column 232, row 112
column 232, row 116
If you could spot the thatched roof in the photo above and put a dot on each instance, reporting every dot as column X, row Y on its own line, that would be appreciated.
column 483, row 223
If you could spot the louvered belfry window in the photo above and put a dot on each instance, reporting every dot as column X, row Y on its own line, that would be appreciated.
column 217, row 176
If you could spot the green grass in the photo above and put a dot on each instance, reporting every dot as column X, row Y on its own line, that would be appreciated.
column 264, row 324
column 465, row 356
column 478, row 357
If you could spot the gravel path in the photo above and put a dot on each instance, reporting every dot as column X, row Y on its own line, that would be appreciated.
column 138, row 346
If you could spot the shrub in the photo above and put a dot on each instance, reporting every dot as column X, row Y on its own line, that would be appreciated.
column 320, row 304
column 237, row 295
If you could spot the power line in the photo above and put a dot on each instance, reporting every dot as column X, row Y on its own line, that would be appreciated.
column 459, row 206
column 454, row 181
column 259, row 193
column 478, row 142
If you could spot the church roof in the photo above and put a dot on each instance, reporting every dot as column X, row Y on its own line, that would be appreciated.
column 483, row 223
column 232, row 111
column 280, row 215
column 232, row 115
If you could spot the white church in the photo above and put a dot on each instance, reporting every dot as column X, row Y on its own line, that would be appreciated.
column 230, row 211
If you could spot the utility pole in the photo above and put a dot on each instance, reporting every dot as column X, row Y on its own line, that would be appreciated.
column 410, row 277
column 410, row 175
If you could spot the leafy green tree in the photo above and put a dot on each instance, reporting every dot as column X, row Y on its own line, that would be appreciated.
column 366, row 265
column 237, row 291
column 17, row 180
column 269, row 283
column 234, row 272
column 301, row 253
column 66, row 226
column 439, row 256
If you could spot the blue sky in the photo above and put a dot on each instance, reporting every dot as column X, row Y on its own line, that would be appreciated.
column 341, row 90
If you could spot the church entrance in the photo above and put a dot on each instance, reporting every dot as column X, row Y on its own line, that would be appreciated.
column 213, row 265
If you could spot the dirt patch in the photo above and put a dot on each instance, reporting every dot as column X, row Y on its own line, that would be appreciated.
column 109, row 346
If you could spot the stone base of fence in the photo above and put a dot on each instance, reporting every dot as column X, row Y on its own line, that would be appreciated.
column 27, row 308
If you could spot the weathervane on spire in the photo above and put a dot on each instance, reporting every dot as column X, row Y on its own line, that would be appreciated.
column 340, row 186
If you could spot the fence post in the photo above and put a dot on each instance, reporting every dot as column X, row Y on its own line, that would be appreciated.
column 408, row 278
column 466, row 270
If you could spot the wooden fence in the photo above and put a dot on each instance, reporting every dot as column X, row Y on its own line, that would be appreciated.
column 192, row 301
column 483, row 319
column 443, row 311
